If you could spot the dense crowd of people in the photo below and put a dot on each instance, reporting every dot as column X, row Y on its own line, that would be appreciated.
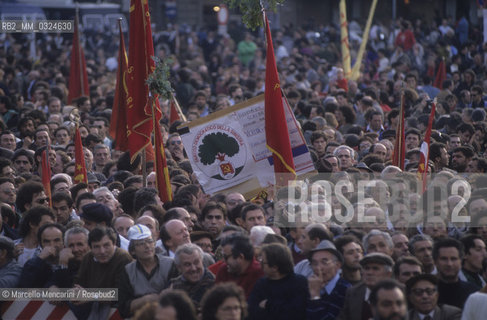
column 360, row 240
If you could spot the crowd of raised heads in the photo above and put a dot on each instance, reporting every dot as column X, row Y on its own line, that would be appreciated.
column 361, row 238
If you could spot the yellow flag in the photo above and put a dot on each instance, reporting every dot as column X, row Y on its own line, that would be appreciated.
column 344, row 39
column 356, row 67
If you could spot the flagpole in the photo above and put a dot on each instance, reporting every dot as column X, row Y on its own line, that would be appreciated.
column 356, row 67
column 79, row 50
column 345, row 48
column 178, row 108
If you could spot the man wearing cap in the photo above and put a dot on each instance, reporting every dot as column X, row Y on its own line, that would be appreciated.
column 143, row 279
column 10, row 270
column 326, row 287
column 308, row 240
column 93, row 182
column 422, row 291
column 99, row 215
column 376, row 266
column 153, row 226
column 96, row 215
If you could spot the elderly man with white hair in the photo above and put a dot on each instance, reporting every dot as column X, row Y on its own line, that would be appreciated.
column 378, row 241
column 195, row 279
column 258, row 233
column 104, row 196
column 346, row 156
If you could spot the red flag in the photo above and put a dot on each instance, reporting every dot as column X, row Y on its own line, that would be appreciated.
column 78, row 78
column 160, row 165
column 425, row 147
column 399, row 145
column 440, row 75
column 276, row 131
column 46, row 173
column 141, row 50
column 80, row 174
column 118, row 123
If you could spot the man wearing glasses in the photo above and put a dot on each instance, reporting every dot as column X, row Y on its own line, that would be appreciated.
column 422, row 291
column 31, row 194
column 175, row 147
column 144, row 278
column 327, row 288
column 477, row 97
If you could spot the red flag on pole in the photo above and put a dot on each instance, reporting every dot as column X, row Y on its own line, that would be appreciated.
column 80, row 174
column 399, row 145
column 276, row 131
column 440, row 75
column 162, row 172
column 118, row 123
column 425, row 147
column 46, row 172
column 141, row 64
column 78, row 78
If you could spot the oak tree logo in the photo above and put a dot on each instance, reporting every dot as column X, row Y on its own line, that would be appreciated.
column 219, row 147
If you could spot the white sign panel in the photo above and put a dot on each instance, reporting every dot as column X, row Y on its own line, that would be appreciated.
column 227, row 149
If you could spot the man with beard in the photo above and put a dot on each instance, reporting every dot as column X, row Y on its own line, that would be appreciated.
column 461, row 156
column 422, row 291
column 439, row 155
column 175, row 146
column 351, row 249
column 38, row 271
column 240, row 265
column 388, row 301
column 23, row 161
column 26, row 129
column 7, row 191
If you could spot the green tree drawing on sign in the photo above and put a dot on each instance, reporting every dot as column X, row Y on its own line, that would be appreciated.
column 216, row 146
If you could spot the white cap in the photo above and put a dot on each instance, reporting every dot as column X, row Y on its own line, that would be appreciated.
column 139, row 232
